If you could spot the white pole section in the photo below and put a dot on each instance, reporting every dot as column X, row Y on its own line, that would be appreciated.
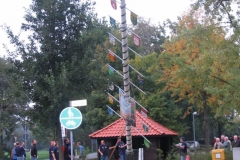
column 126, row 78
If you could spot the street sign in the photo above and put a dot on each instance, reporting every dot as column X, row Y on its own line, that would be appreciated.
column 70, row 118
column 78, row 103
column 25, row 136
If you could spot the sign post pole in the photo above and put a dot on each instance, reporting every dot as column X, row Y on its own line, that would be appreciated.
column 71, row 118
column 71, row 143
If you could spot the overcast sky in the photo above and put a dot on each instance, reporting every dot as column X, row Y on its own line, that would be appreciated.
column 12, row 12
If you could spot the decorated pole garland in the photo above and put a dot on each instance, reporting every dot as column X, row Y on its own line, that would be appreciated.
column 125, row 99
column 127, row 104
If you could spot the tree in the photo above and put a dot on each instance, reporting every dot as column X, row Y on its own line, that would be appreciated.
column 12, row 103
column 54, row 64
column 152, row 36
column 195, row 64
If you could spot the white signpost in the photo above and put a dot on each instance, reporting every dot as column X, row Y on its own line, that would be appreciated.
column 71, row 118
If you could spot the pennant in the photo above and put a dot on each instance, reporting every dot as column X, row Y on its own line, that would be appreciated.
column 146, row 143
column 136, row 39
column 110, row 111
column 114, row 4
column 144, row 112
column 110, row 70
column 111, row 56
column 111, row 87
column 112, row 39
column 110, row 99
column 140, row 80
column 113, row 22
column 145, row 127
column 134, row 18
column 133, row 113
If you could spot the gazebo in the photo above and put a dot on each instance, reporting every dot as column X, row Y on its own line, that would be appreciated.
column 159, row 136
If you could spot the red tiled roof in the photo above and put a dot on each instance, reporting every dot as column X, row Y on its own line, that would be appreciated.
column 115, row 129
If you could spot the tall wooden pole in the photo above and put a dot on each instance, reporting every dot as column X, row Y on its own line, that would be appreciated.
column 126, row 78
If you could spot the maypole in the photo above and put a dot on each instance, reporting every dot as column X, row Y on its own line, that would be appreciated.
column 126, row 78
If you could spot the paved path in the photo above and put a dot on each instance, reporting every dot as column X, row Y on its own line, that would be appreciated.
column 92, row 156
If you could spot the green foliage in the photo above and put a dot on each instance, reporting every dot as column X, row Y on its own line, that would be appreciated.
column 12, row 104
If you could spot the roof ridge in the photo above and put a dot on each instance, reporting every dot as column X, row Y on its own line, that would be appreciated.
column 111, row 124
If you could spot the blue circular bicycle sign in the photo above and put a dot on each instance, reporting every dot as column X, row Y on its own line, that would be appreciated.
column 70, row 118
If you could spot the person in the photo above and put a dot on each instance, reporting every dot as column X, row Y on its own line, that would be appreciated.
column 121, row 149
column 235, row 142
column 13, row 153
column 183, row 148
column 23, row 146
column 226, row 145
column 67, row 150
column 213, row 141
column 222, row 138
column 103, row 150
column 19, row 151
column 51, row 150
column 229, row 143
column 217, row 144
column 55, row 151
column 33, row 152
column 81, row 150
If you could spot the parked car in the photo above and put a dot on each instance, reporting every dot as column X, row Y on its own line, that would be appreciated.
column 190, row 145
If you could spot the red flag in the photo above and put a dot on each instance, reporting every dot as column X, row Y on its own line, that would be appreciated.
column 111, row 56
column 114, row 4
column 136, row 39
column 144, row 112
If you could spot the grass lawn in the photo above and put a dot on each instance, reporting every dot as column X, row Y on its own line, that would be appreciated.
column 43, row 154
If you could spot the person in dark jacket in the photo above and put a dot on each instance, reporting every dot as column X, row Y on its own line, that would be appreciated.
column 235, row 142
column 19, row 151
column 33, row 152
column 67, row 150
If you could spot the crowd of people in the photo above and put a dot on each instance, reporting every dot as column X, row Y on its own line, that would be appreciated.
column 225, row 143
column 19, row 151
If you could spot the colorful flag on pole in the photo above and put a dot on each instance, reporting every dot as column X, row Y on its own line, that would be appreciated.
column 110, row 70
column 146, row 143
column 111, row 56
column 133, row 18
column 125, row 105
column 114, row 4
column 145, row 127
column 144, row 112
column 110, row 111
column 112, row 39
column 136, row 39
column 111, row 87
column 110, row 99
column 113, row 22
column 140, row 80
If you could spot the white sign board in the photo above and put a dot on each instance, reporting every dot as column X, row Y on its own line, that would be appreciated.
column 63, row 131
column 78, row 103
column 218, row 155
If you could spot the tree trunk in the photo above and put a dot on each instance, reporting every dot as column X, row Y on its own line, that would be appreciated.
column 206, row 121
column 60, row 143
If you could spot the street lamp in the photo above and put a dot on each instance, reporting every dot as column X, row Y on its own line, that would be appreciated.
column 194, row 113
